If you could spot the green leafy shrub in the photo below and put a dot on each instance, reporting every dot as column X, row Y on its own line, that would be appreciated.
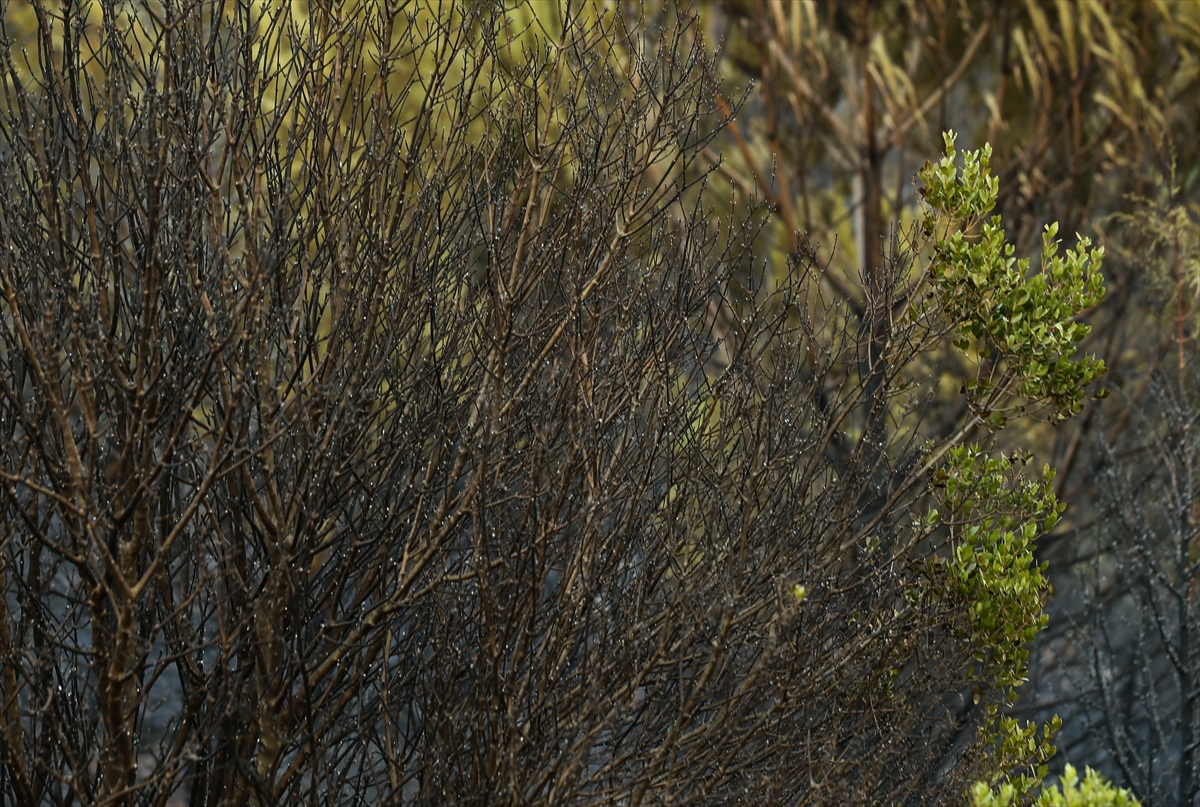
column 1020, row 328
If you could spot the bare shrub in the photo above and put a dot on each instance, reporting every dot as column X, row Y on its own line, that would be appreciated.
column 383, row 420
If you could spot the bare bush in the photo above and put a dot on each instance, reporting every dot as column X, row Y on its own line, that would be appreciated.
column 1126, row 638
column 383, row 421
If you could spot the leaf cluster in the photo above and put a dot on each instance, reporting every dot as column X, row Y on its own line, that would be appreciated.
column 1091, row 791
column 994, row 518
column 1025, row 323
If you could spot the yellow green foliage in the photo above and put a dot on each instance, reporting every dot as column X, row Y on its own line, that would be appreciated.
column 995, row 518
column 1093, row 791
column 1025, row 321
